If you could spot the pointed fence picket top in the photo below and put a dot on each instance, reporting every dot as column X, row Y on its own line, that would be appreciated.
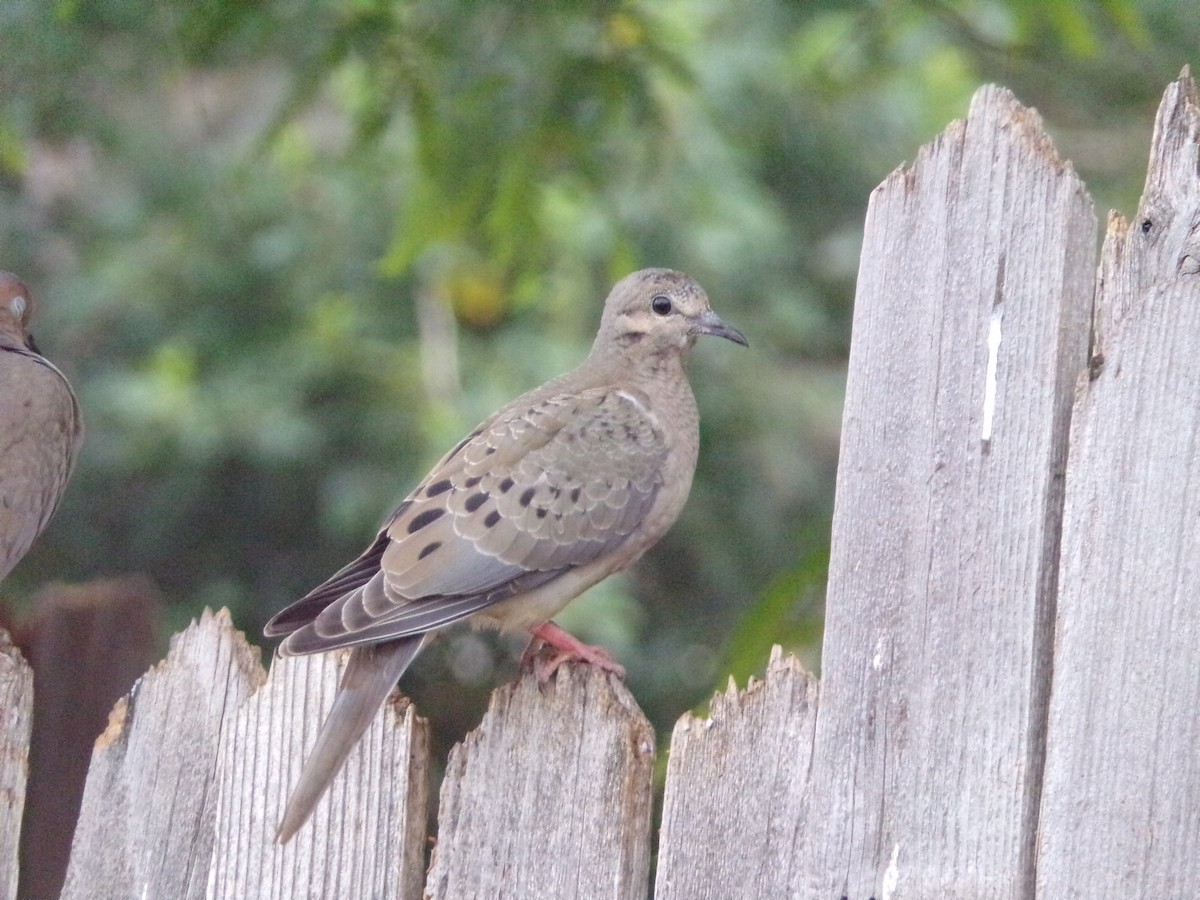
column 16, row 723
column 1012, row 652
column 1162, row 242
column 145, row 828
column 738, row 778
column 550, row 796
column 1121, row 804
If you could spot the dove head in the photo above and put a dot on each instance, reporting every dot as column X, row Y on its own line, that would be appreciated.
column 655, row 314
column 16, row 309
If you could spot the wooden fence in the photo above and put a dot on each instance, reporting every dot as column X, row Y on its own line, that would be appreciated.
column 1011, row 670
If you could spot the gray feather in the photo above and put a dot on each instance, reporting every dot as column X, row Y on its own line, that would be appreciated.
column 370, row 674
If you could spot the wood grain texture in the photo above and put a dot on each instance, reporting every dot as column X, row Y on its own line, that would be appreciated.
column 739, row 778
column 16, row 721
column 550, row 796
column 975, row 283
column 146, row 823
column 1162, row 241
column 366, row 837
column 1121, row 803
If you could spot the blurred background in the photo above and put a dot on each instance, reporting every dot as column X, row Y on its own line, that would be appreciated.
column 289, row 251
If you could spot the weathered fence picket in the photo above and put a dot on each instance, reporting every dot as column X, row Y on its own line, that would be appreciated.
column 970, row 327
column 1120, row 810
column 1012, row 652
column 146, row 824
column 737, row 792
column 550, row 796
column 366, row 838
column 16, row 722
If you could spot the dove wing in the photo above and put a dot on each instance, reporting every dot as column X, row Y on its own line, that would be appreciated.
column 550, row 483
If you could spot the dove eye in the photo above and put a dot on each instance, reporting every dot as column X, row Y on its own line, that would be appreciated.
column 661, row 304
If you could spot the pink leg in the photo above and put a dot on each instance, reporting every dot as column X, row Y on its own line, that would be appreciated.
column 568, row 647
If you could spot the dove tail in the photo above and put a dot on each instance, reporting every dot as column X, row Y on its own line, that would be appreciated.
column 370, row 675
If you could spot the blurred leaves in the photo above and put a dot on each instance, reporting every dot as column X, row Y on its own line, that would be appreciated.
column 789, row 613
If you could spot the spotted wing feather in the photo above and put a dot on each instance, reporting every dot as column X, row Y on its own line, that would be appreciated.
column 533, row 493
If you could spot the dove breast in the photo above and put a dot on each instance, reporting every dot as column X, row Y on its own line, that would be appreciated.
column 40, row 429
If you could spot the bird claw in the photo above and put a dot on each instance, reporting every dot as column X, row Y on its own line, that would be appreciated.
column 569, row 648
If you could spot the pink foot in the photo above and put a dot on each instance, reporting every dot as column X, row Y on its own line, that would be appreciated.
column 569, row 648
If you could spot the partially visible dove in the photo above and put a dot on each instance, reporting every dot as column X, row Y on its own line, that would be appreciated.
column 40, row 428
column 561, row 488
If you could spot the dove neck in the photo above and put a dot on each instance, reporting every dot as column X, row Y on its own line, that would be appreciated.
column 12, row 335
column 633, row 361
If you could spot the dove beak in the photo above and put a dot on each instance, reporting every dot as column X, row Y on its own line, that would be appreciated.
column 710, row 323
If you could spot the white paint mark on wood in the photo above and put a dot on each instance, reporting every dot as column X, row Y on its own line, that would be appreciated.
column 989, row 388
column 891, row 876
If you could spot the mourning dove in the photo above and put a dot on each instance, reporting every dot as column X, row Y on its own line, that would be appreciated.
column 40, row 428
column 561, row 488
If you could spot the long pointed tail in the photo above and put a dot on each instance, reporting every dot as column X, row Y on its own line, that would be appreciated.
column 369, row 676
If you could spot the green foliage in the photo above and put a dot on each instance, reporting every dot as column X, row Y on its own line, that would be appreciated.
column 290, row 250
column 789, row 613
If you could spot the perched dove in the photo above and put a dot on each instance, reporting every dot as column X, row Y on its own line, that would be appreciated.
column 561, row 488
column 40, row 428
